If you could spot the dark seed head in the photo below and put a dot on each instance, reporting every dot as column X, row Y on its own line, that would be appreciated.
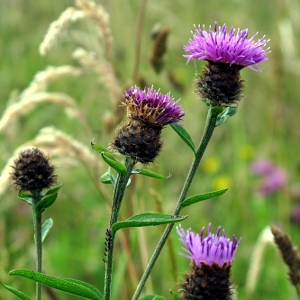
column 220, row 84
column 139, row 141
column 32, row 171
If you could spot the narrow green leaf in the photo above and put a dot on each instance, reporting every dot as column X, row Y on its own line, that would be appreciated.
column 46, row 228
column 148, row 173
column 202, row 197
column 98, row 148
column 16, row 292
column 25, row 197
column 147, row 219
column 152, row 297
column 87, row 285
column 181, row 131
column 109, row 155
column 110, row 160
column 71, row 286
column 55, row 190
column 46, row 201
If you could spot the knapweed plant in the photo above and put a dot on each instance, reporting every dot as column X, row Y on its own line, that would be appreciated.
column 133, row 148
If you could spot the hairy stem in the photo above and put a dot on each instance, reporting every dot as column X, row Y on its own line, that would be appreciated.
column 121, row 184
column 37, row 227
column 208, row 131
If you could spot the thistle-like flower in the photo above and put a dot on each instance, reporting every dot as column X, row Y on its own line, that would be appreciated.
column 152, row 107
column 149, row 112
column 226, row 53
column 32, row 171
column 212, row 258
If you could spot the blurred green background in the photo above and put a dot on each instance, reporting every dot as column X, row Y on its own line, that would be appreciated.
column 266, row 126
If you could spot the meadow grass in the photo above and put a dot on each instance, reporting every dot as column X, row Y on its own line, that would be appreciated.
column 266, row 126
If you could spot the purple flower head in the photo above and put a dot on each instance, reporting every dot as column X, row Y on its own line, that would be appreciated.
column 233, row 47
column 295, row 214
column 212, row 249
column 274, row 178
column 152, row 106
column 273, row 182
column 263, row 167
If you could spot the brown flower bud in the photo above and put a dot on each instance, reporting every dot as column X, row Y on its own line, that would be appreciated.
column 32, row 171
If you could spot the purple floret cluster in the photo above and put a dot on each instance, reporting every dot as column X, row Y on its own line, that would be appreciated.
column 153, row 106
column 212, row 249
column 233, row 47
column 273, row 178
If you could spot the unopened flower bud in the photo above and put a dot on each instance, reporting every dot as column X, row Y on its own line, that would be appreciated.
column 32, row 171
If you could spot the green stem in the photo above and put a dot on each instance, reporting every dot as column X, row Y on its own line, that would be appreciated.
column 37, row 227
column 119, row 190
column 208, row 131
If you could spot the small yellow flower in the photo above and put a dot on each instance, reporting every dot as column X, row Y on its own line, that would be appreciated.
column 222, row 182
column 246, row 152
column 211, row 165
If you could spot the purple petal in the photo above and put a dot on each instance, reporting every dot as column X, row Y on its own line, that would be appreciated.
column 153, row 106
column 231, row 47
column 214, row 248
